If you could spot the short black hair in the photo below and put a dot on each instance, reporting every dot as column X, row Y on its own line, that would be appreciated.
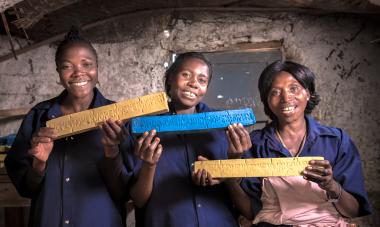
column 300, row 72
column 180, row 59
column 74, row 36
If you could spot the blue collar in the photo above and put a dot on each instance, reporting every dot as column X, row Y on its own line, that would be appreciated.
column 314, row 130
column 200, row 107
column 54, row 109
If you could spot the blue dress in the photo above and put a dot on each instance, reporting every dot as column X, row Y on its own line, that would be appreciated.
column 175, row 200
column 72, row 190
column 331, row 143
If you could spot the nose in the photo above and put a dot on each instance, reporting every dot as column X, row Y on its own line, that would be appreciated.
column 78, row 70
column 286, row 95
column 193, row 82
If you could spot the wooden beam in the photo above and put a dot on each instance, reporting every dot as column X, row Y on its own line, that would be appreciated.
column 14, row 112
column 164, row 11
column 5, row 23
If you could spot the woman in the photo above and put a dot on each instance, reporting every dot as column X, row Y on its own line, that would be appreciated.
column 167, row 192
column 329, row 192
column 62, row 177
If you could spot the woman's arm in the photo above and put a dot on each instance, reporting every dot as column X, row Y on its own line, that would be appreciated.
column 149, row 150
column 320, row 171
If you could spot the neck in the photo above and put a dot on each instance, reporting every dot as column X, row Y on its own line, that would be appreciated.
column 292, row 136
column 293, row 128
column 184, row 110
column 74, row 104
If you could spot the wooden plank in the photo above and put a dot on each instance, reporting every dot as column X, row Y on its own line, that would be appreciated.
column 255, row 167
column 14, row 112
column 90, row 119
column 9, row 196
column 193, row 122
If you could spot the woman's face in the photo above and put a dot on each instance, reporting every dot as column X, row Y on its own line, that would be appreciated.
column 287, row 99
column 189, row 85
column 78, row 71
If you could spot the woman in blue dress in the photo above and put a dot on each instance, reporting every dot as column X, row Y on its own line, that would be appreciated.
column 64, row 177
column 166, row 191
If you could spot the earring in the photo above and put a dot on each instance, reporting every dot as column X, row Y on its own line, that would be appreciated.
column 58, row 82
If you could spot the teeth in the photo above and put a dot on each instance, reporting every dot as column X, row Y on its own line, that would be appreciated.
column 79, row 83
column 189, row 94
column 288, row 109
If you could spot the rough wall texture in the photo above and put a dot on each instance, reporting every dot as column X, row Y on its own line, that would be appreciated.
column 338, row 48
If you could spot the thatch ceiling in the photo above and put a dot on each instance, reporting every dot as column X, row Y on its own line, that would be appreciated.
column 45, row 18
column 44, row 21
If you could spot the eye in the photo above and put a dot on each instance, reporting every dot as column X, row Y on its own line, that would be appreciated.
column 294, row 89
column 275, row 92
column 186, row 74
column 65, row 67
column 87, row 64
column 203, row 80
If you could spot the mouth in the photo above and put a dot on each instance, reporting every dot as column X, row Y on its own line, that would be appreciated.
column 78, row 84
column 288, row 109
column 189, row 94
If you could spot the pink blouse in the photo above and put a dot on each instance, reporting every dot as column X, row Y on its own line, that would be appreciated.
column 298, row 202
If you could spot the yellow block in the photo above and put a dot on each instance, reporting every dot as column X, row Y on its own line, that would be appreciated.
column 4, row 148
column 89, row 119
column 2, row 158
column 255, row 167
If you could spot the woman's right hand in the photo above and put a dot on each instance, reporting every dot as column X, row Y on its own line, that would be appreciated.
column 41, row 146
column 149, row 148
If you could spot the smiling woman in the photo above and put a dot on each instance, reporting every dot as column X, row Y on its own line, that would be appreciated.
column 62, row 176
column 167, row 191
column 330, row 192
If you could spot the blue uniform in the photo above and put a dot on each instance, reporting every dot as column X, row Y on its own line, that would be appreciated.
column 331, row 143
column 175, row 199
column 72, row 190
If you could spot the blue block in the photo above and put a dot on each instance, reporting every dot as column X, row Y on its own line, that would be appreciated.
column 186, row 123
column 7, row 140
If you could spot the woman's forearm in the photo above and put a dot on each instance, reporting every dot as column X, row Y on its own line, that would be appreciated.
column 142, row 189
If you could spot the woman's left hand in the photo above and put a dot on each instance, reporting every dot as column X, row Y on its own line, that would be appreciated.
column 113, row 133
column 202, row 177
column 239, row 140
column 320, row 172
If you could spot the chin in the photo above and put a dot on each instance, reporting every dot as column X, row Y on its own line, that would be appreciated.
column 188, row 103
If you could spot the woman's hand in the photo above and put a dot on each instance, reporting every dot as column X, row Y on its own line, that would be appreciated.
column 114, row 133
column 320, row 172
column 148, row 148
column 239, row 140
column 202, row 177
column 41, row 146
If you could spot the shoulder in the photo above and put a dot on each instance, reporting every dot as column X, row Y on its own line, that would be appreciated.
column 44, row 105
column 203, row 107
column 100, row 100
column 325, row 130
column 259, row 136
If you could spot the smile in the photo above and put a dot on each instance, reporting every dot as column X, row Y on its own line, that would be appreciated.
column 189, row 94
column 78, row 84
column 288, row 109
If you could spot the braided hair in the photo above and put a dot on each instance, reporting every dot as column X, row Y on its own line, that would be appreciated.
column 74, row 36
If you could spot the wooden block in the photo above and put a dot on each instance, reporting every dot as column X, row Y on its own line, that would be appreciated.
column 255, row 167
column 193, row 122
column 90, row 119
